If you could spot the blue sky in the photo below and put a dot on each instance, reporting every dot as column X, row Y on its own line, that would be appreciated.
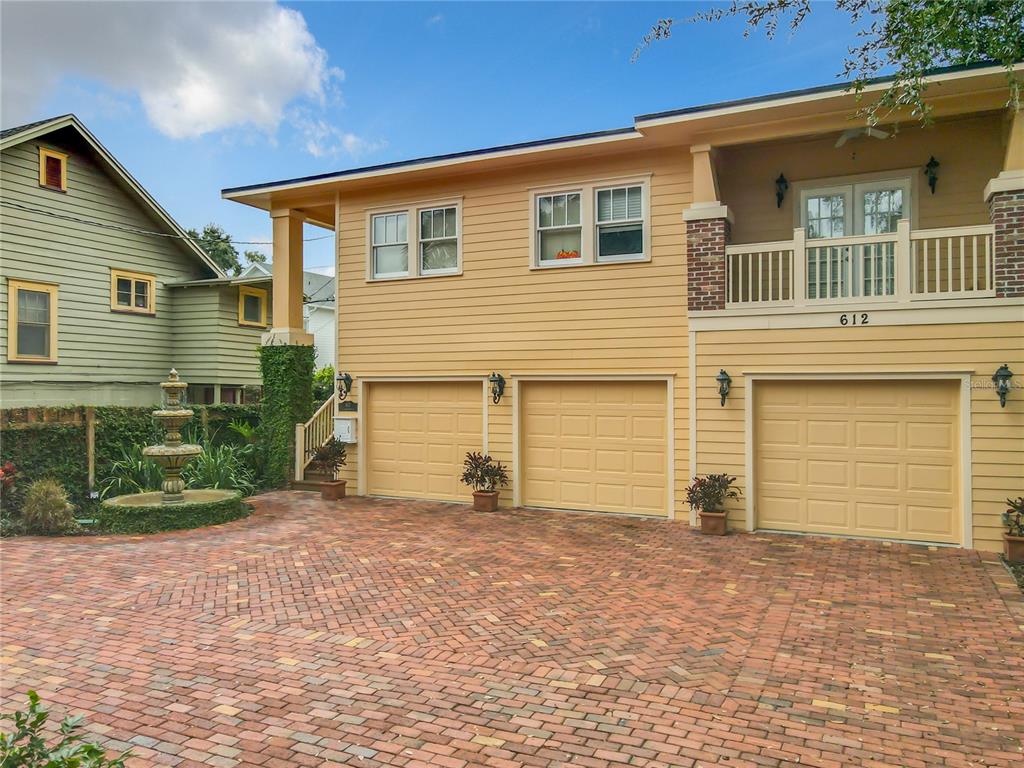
column 350, row 84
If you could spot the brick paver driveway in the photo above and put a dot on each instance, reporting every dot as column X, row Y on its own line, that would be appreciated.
column 391, row 633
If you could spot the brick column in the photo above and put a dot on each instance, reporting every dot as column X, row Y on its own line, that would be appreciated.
column 1007, row 211
column 705, row 263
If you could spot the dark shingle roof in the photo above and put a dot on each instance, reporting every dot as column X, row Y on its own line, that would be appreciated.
column 7, row 132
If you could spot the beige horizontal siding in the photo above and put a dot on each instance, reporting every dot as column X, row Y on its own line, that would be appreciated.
column 614, row 319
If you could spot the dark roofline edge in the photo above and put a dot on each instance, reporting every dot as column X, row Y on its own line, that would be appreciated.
column 595, row 134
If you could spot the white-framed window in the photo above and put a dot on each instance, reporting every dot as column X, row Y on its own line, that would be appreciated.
column 620, row 223
column 431, row 232
column 439, row 240
column 559, row 227
column 598, row 222
column 390, row 244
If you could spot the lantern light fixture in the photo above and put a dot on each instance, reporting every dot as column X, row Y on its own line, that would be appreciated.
column 724, row 382
column 781, row 185
column 344, row 381
column 930, row 172
column 497, row 386
column 1002, row 378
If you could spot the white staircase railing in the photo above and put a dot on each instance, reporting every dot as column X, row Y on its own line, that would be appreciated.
column 313, row 434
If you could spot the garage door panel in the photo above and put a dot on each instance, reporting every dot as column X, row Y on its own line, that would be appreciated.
column 931, row 521
column 598, row 446
column 877, row 476
column 883, row 519
column 779, row 432
column 417, row 436
column 896, row 476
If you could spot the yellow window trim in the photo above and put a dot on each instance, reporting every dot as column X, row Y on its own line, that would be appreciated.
column 261, row 294
column 13, row 286
column 135, row 277
column 45, row 153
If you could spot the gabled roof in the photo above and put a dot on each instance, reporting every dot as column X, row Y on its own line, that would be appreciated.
column 11, row 137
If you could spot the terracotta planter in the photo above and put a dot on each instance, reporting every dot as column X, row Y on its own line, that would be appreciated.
column 485, row 501
column 1013, row 548
column 713, row 523
column 332, row 490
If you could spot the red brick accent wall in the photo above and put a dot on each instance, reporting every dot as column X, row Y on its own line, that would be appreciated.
column 1007, row 209
column 705, row 264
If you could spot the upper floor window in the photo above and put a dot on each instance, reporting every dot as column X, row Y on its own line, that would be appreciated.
column 439, row 242
column 53, row 169
column 620, row 223
column 433, row 233
column 252, row 306
column 593, row 223
column 32, row 322
column 559, row 227
column 132, row 292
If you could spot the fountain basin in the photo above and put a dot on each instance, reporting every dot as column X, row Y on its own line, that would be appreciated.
column 149, row 513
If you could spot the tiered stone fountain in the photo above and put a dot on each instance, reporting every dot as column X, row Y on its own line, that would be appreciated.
column 157, row 510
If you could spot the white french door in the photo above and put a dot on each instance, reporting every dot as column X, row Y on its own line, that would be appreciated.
column 851, row 238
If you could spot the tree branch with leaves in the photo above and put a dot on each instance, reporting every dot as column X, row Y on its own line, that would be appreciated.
column 907, row 38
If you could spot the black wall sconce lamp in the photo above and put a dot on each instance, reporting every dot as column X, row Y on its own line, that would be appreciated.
column 497, row 386
column 724, row 381
column 1002, row 378
column 781, row 185
column 344, row 382
column 929, row 171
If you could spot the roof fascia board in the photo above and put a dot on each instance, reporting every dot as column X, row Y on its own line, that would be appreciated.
column 430, row 164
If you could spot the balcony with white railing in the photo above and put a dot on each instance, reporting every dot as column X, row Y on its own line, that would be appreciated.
column 900, row 267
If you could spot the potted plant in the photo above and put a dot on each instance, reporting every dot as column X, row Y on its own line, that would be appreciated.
column 707, row 494
column 1013, row 537
column 327, row 460
column 485, row 476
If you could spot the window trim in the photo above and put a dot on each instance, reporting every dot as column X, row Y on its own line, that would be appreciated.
column 44, row 153
column 13, row 286
column 142, row 277
column 412, row 211
column 588, row 220
column 263, row 295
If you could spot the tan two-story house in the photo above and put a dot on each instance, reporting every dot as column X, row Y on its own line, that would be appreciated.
column 764, row 288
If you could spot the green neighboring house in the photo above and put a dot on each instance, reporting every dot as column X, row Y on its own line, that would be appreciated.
column 102, row 293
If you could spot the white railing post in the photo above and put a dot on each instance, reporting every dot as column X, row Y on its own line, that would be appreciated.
column 799, row 270
column 300, row 452
column 903, row 261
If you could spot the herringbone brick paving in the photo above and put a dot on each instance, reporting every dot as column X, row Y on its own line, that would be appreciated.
column 373, row 632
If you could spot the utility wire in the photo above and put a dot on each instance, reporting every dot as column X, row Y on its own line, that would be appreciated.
column 136, row 230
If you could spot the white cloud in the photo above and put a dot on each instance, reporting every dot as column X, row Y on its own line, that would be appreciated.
column 437, row 18
column 196, row 67
column 323, row 139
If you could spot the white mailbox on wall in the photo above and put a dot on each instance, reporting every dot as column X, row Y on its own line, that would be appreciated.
column 345, row 429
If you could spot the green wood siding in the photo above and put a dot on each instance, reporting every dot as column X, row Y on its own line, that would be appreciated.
column 228, row 356
column 99, row 349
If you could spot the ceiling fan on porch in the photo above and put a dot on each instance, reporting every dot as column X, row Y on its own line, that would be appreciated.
column 853, row 133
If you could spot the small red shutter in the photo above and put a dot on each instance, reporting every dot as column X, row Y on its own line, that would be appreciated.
column 54, row 177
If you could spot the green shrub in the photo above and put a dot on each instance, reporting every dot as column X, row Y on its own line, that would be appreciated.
column 46, row 508
column 220, row 466
column 118, row 518
column 134, row 472
column 323, row 384
column 56, row 450
column 26, row 746
column 287, row 400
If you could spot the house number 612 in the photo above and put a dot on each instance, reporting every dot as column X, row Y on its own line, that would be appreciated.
column 854, row 318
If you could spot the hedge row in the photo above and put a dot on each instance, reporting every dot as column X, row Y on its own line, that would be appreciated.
column 120, row 518
column 58, row 449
